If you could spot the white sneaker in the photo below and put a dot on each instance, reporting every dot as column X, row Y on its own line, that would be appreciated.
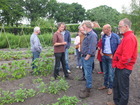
column 69, row 71
column 80, row 67
column 77, row 67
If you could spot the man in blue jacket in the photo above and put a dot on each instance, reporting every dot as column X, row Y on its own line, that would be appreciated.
column 88, row 51
column 67, row 38
column 110, row 42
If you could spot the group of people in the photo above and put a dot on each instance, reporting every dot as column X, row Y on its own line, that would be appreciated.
column 116, row 61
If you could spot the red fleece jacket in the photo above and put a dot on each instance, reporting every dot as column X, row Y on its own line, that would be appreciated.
column 127, row 52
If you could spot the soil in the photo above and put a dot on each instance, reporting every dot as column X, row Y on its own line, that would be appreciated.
column 98, row 97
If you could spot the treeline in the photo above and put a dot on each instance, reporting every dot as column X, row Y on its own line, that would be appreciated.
column 48, row 12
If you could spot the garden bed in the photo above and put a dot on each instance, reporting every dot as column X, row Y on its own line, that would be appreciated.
column 40, row 96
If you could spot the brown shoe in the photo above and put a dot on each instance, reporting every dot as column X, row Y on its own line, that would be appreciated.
column 85, row 93
column 110, row 103
column 102, row 88
column 83, row 90
column 109, row 92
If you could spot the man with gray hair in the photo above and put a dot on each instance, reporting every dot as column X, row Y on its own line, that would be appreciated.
column 36, row 47
column 88, row 54
column 123, row 62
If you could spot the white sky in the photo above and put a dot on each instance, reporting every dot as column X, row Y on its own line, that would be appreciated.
column 89, row 4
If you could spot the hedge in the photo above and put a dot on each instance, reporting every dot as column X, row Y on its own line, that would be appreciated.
column 24, row 30
column 29, row 30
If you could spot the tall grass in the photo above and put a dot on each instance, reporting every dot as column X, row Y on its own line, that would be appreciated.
column 8, row 40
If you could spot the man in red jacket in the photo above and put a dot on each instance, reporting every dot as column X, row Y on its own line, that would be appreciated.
column 124, row 60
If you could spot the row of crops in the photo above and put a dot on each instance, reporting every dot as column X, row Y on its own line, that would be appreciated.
column 18, row 66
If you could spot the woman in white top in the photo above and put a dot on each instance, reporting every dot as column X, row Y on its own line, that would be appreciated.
column 78, row 53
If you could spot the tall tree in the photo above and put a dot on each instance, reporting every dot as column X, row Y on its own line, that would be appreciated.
column 11, row 12
column 35, row 9
column 103, row 14
column 78, row 13
column 69, row 13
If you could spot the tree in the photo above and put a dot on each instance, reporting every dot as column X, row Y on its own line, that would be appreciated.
column 135, row 14
column 78, row 13
column 69, row 13
column 11, row 12
column 35, row 9
column 104, row 15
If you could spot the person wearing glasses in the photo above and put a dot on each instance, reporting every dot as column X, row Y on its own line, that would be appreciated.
column 123, row 62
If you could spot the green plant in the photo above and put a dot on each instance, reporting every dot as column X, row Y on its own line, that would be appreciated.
column 66, row 100
column 30, row 93
column 38, row 80
column 55, row 87
column 42, row 87
column 20, row 95
column 6, row 97
column 14, row 70
column 19, row 69
column 44, row 66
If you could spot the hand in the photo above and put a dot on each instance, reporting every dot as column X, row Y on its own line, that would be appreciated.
column 111, row 56
column 87, row 57
column 101, row 53
column 64, row 43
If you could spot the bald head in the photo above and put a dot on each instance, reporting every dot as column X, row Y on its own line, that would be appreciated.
column 107, row 29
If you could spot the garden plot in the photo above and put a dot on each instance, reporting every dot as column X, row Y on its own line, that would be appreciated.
column 19, row 87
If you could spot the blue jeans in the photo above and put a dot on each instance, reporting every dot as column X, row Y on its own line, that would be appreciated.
column 78, row 56
column 108, row 71
column 67, row 59
column 87, row 65
column 121, row 86
column 35, row 55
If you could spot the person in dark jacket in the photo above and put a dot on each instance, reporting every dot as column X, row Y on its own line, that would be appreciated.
column 110, row 42
column 88, row 54
column 67, row 38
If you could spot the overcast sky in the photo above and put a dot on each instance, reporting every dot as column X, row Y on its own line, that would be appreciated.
column 89, row 4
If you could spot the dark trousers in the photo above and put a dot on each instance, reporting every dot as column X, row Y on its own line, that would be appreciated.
column 35, row 56
column 121, row 86
column 101, row 67
column 60, row 57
